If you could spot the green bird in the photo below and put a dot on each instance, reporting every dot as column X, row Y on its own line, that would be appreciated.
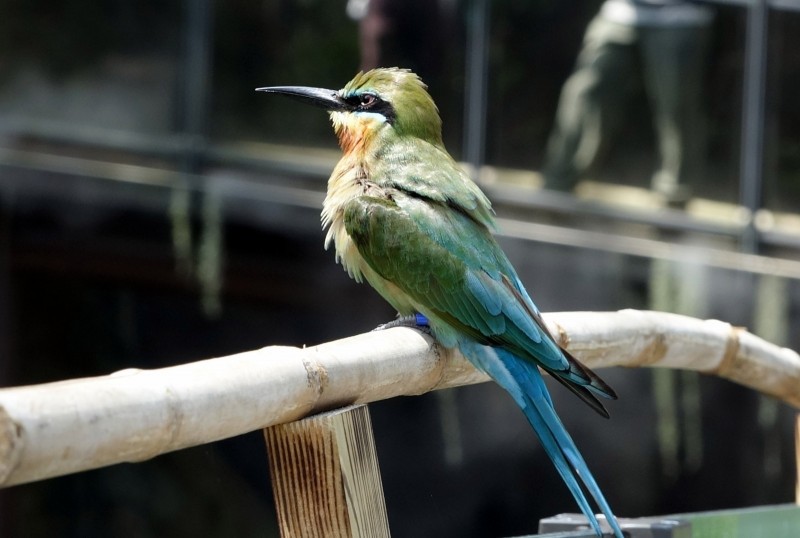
column 403, row 215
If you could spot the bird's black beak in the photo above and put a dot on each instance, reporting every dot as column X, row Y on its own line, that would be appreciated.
column 320, row 97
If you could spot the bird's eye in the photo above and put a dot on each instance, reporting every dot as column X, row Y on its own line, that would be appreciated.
column 367, row 100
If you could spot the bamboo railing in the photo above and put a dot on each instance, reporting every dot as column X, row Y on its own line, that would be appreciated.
column 70, row 426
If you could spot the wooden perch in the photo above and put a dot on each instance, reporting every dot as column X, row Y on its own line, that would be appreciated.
column 69, row 426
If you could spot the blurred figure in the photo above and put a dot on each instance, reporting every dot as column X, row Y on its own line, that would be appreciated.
column 668, row 39
column 401, row 33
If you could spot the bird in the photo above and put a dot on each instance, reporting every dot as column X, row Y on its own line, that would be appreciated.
column 406, row 218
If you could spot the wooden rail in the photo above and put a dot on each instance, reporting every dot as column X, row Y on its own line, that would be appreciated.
column 70, row 426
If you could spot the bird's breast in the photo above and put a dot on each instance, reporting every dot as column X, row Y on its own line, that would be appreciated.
column 349, row 180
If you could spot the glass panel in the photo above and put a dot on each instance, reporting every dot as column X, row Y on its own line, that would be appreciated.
column 273, row 44
column 89, row 64
column 324, row 44
column 589, row 99
column 782, row 145
column 722, row 101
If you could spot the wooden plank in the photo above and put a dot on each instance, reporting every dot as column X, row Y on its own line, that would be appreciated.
column 325, row 476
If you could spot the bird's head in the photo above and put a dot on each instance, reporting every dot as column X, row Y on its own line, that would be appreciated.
column 386, row 98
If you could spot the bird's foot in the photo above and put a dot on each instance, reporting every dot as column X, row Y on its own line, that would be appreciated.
column 415, row 321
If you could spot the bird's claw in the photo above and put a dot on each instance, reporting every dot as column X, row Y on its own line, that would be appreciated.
column 415, row 321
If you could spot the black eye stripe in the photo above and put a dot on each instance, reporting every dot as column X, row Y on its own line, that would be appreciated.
column 370, row 102
column 363, row 101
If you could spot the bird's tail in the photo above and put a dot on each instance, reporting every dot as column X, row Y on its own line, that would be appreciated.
column 525, row 384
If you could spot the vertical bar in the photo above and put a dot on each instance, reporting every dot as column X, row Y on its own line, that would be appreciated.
column 6, row 333
column 477, row 67
column 797, row 458
column 195, row 73
column 751, row 181
column 770, row 321
column 196, row 90
column 196, row 80
column 6, row 289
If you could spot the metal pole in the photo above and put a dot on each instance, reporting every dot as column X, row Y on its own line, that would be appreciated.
column 477, row 68
column 196, row 79
column 751, row 181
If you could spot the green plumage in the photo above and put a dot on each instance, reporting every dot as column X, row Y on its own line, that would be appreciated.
column 411, row 102
column 449, row 268
column 404, row 216
column 419, row 168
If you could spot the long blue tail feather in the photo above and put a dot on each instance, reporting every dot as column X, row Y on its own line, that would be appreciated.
column 525, row 384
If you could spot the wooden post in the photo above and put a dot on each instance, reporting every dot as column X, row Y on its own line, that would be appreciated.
column 325, row 476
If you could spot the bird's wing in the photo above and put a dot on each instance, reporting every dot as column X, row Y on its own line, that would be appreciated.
column 452, row 268
column 428, row 171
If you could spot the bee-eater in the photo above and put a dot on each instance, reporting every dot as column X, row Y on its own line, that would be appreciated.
column 403, row 215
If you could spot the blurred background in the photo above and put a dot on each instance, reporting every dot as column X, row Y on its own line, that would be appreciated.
column 155, row 210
